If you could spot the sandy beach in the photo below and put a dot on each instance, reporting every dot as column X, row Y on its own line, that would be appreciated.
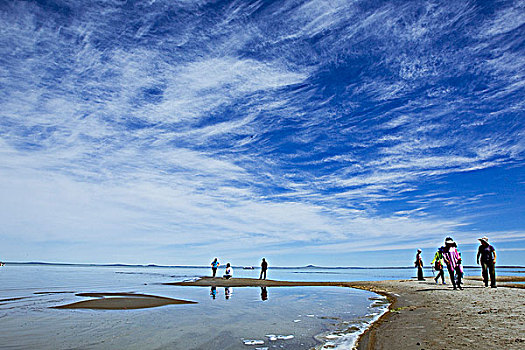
column 425, row 315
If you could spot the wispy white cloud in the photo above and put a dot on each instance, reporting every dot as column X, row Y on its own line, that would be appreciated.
column 257, row 125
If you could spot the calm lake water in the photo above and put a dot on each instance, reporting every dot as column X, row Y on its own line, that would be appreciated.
column 222, row 319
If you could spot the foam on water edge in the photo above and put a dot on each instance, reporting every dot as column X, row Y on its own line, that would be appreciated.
column 346, row 339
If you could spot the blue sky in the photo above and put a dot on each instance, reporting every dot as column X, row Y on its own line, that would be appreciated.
column 336, row 133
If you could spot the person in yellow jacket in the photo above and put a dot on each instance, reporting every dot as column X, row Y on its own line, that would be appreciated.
column 438, row 264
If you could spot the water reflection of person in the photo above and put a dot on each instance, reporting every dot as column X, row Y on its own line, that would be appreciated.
column 228, row 292
column 264, row 294
column 213, row 292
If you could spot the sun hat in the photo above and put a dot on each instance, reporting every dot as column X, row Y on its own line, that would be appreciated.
column 449, row 240
column 484, row 239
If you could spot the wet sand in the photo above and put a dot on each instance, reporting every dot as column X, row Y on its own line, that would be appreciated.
column 121, row 301
column 425, row 315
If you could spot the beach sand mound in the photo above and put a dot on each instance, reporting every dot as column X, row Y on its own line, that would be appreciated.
column 121, row 301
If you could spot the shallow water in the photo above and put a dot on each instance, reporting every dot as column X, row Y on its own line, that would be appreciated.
column 222, row 319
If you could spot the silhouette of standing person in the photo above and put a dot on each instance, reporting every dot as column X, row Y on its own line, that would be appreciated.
column 264, row 267
column 213, row 292
column 214, row 265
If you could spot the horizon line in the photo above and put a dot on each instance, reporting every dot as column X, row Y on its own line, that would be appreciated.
column 236, row 266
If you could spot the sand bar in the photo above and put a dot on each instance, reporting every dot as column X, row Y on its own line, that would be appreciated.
column 121, row 301
column 425, row 315
column 251, row 282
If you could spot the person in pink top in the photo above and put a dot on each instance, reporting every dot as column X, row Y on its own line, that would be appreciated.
column 453, row 261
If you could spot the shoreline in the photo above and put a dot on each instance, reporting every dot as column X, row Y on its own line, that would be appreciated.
column 249, row 282
column 425, row 315
column 366, row 339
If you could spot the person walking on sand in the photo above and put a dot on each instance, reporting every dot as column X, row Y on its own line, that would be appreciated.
column 214, row 265
column 459, row 269
column 487, row 253
column 419, row 264
column 453, row 261
column 229, row 272
column 264, row 267
column 438, row 265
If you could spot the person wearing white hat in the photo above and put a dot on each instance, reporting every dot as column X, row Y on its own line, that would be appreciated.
column 419, row 265
column 453, row 261
column 487, row 253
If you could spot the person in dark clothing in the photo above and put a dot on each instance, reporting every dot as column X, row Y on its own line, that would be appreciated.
column 214, row 265
column 419, row 265
column 264, row 267
column 487, row 253
column 229, row 272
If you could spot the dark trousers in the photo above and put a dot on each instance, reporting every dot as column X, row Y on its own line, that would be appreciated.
column 441, row 274
column 420, row 273
column 452, row 273
column 214, row 271
column 487, row 267
column 263, row 272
